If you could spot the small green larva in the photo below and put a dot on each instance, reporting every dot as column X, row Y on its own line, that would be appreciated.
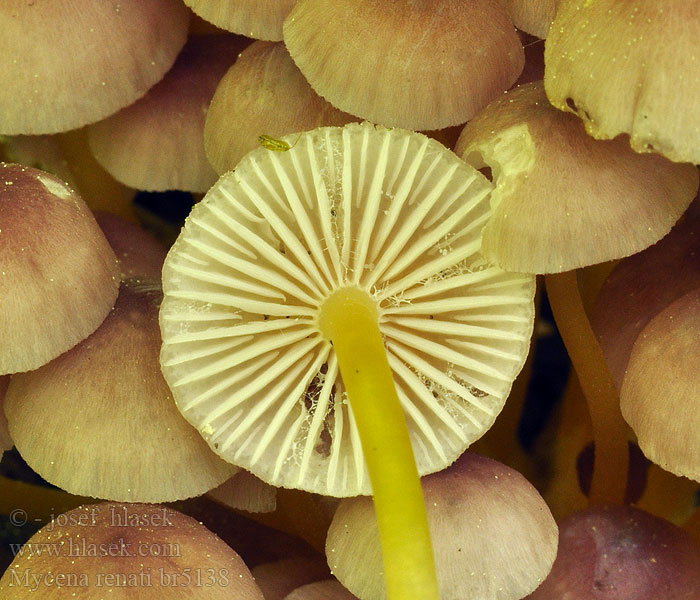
column 267, row 141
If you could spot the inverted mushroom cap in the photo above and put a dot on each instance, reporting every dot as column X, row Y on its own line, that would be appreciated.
column 246, row 492
column 127, row 552
column 642, row 285
column 629, row 66
column 263, row 93
column 157, row 143
column 105, row 417
column 564, row 200
column 258, row 19
column 394, row 214
column 622, row 553
column 63, row 68
column 661, row 389
column 58, row 275
column 493, row 535
column 422, row 64
column 532, row 16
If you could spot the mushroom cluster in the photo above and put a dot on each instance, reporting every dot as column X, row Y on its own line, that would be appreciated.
column 364, row 195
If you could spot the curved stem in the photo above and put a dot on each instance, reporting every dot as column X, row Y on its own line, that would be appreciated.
column 610, row 466
column 349, row 319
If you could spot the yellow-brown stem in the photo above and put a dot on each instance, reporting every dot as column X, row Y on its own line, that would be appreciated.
column 609, row 428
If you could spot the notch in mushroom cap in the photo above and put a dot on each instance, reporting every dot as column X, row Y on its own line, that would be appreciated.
column 493, row 534
column 59, row 73
column 661, row 387
column 108, row 426
column 126, row 551
column 157, row 143
column 263, row 93
column 258, row 19
column 564, row 200
column 622, row 553
column 419, row 65
column 64, row 276
column 629, row 66
column 390, row 213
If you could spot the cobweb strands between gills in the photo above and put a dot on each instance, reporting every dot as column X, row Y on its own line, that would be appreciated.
column 389, row 211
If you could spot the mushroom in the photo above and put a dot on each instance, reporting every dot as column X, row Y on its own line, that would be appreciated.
column 59, row 275
column 563, row 195
column 641, row 286
column 629, row 66
column 368, row 238
column 532, row 16
column 64, row 68
column 494, row 536
column 403, row 63
column 139, row 254
column 156, row 143
column 661, row 388
column 279, row 578
column 125, row 551
column 560, row 201
column 105, row 417
column 258, row 19
column 246, row 492
column 262, row 93
column 329, row 589
column 622, row 553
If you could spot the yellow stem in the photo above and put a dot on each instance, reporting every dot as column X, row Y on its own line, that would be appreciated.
column 610, row 467
column 349, row 319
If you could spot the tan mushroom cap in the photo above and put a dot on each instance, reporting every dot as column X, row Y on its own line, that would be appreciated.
column 532, row 16
column 263, row 93
column 244, row 491
column 6, row 442
column 622, row 553
column 661, row 389
column 279, row 578
column 258, row 19
column 59, row 71
column 493, row 535
column 58, row 275
column 139, row 254
column 420, row 65
column 391, row 212
column 127, row 552
column 157, row 144
column 105, row 417
column 630, row 66
column 330, row 589
column 564, row 200
column 642, row 285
